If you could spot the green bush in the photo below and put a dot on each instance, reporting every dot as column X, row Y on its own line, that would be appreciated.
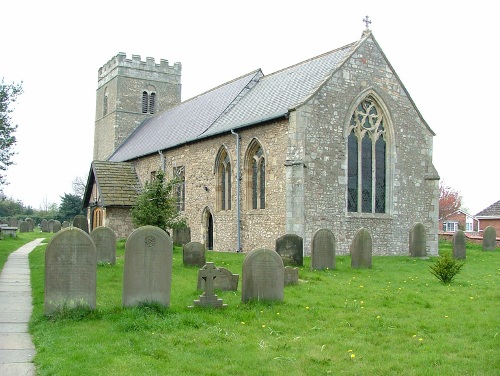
column 445, row 268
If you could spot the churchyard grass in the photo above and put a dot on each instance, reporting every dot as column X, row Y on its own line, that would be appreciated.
column 396, row 318
column 9, row 244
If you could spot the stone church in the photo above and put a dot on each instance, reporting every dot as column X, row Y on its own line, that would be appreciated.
column 332, row 142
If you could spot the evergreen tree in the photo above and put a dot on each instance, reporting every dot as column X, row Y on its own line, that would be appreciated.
column 156, row 205
column 71, row 205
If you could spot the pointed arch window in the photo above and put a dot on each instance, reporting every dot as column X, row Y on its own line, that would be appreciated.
column 180, row 187
column 223, row 172
column 366, row 159
column 256, row 176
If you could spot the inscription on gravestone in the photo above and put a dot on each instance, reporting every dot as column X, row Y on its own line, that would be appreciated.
column 70, row 271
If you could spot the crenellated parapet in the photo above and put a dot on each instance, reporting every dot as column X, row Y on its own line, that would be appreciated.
column 148, row 67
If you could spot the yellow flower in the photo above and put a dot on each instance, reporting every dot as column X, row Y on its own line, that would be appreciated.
column 263, row 325
column 349, row 350
column 243, row 323
column 307, row 307
column 353, row 356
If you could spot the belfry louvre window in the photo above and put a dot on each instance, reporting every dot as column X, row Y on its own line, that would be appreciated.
column 366, row 159
column 105, row 103
column 148, row 102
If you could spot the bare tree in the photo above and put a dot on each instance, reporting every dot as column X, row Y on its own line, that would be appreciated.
column 78, row 186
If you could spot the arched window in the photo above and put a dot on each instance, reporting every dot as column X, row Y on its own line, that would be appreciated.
column 366, row 159
column 145, row 100
column 223, row 172
column 148, row 100
column 105, row 103
column 256, row 176
column 180, row 187
column 152, row 98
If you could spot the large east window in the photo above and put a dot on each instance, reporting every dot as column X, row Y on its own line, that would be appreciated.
column 366, row 159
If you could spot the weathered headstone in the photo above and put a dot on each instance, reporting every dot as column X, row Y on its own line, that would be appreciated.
column 417, row 241
column 262, row 276
column 80, row 221
column 44, row 225
column 70, row 271
column 23, row 226
column 291, row 249
column 209, row 299
column 193, row 254
column 489, row 239
column 65, row 224
column 291, row 275
column 361, row 250
column 224, row 281
column 50, row 225
column 105, row 243
column 31, row 224
column 147, row 275
column 181, row 236
column 323, row 250
column 56, row 227
column 459, row 245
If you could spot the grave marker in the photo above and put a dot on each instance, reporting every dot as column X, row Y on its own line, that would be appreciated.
column 291, row 249
column 361, row 250
column 459, row 245
column 105, row 243
column 323, row 250
column 209, row 299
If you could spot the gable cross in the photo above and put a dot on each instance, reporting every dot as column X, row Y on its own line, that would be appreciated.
column 367, row 22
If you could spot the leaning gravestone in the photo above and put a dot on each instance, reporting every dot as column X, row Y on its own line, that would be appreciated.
column 193, row 254
column 489, row 239
column 181, row 236
column 44, row 225
column 224, row 281
column 417, row 241
column 291, row 249
column 56, row 227
column 459, row 245
column 209, row 273
column 70, row 271
column 23, row 226
column 323, row 250
column 31, row 224
column 147, row 274
column 361, row 250
column 262, row 276
column 105, row 243
column 80, row 221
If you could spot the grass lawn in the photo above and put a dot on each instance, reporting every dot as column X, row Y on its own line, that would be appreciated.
column 394, row 319
column 9, row 245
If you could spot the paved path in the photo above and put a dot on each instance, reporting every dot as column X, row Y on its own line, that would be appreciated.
column 16, row 347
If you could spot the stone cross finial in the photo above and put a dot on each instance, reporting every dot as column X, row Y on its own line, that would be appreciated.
column 367, row 22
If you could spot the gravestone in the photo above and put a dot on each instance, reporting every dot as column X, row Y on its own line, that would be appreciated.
column 323, row 250
column 262, row 276
column 31, row 224
column 23, row 226
column 489, row 239
column 105, row 242
column 80, row 221
column 181, row 235
column 147, row 274
column 193, row 254
column 291, row 275
column 459, row 245
column 44, row 225
column 224, row 281
column 56, row 227
column 50, row 225
column 209, row 273
column 361, row 250
column 70, row 271
column 417, row 242
column 291, row 249
column 65, row 224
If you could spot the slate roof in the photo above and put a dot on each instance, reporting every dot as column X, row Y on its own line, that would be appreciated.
column 117, row 183
column 247, row 100
column 491, row 211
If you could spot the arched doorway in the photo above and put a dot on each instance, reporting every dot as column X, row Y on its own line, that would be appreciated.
column 97, row 218
column 208, row 228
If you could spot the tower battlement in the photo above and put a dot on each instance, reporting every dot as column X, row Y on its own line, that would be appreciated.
column 135, row 62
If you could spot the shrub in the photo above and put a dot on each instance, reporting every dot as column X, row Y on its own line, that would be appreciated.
column 445, row 268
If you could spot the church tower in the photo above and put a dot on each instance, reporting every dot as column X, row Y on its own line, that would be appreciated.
column 128, row 92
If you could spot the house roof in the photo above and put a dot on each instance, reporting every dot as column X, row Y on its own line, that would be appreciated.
column 117, row 183
column 250, row 99
column 491, row 211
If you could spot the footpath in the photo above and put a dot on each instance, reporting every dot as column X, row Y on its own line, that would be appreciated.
column 16, row 346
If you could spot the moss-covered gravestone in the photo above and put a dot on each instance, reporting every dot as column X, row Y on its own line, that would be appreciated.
column 489, row 239
column 361, row 250
column 291, row 249
column 459, row 245
column 193, row 254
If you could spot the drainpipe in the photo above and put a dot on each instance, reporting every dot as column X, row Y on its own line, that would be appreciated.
column 238, row 180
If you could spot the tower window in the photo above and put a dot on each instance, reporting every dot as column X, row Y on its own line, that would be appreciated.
column 105, row 103
column 148, row 102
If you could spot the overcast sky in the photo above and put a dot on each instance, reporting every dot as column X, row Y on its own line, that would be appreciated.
column 445, row 53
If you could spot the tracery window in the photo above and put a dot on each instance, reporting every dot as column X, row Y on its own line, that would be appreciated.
column 256, row 176
column 223, row 172
column 180, row 187
column 366, row 159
